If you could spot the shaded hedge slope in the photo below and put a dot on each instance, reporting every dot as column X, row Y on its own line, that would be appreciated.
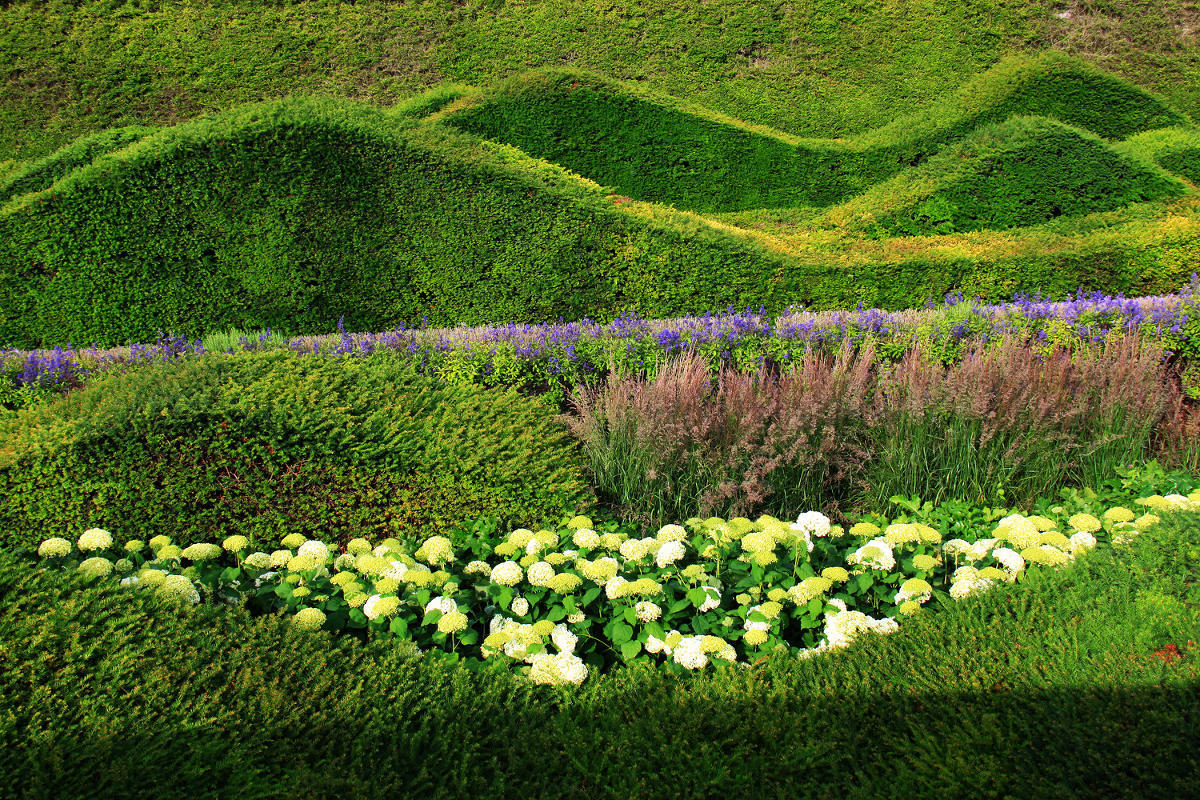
column 265, row 444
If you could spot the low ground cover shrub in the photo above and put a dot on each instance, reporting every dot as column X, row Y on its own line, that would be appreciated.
column 562, row 604
column 1006, row 423
column 262, row 443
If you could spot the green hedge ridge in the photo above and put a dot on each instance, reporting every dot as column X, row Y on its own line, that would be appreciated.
column 1026, row 171
column 1175, row 149
column 264, row 444
column 40, row 174
column 1049, row 689
column 653, row 148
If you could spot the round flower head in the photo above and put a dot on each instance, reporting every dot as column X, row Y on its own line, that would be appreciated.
column 927, row 534
column 280, row 558
column 556, row 670
column 579, row 523
column 565, row 583
column 123, row 566
column 453, row 622
column 95, row 539
column 563, row 638
column 302, row 563
column 317, row 550
column 586, row 538
column 969, row 586
column 301, row 591
column 644, row 587
column 838, row 574
column 293, row 540
column 358, row 546
column 1018, row 531
column 521, row 537
column 1084, row 522
column 614, row 588
column 1145, row 521
column 201, row 551
column 689, row 652
column 258, row 561
column 576, row 617
column 159, row 542
column 994, row 574
column 235, row 544
column 96, row 567
column 519, row 606
column 378, row 606
column 647, row 611
column 1010, row 559
column 344, row 562
column 385, row 585
column 54, row 547
column 1081, row 541
column 543, row 628
column 901, row 533
column 442, row 604
column 864, row 530
column 909, row 607
column 528, row 560
column 812, row 523
column 134, row 545
column 758, row 542
column 875, row 554
column 754, row 638
column 1118, row 514
column 151, row 577
column 168, row 551
column 914, row 589
column 633, row 549
column 356, row 599
column 507, row 573
column 671, row 533
column 540, row 573
column 925, row 562
column 956, row 547
column 479, row 568
column 712, row 599
column 1043, row 524
column 436, row 550
column 670, row 552
column 809, row 589
column 179, row 587
column 506, row 549
column 309, row 619
column 1056, row 539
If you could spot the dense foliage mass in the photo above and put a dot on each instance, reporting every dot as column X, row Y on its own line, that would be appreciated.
column 1097, row 655
column 265, row 444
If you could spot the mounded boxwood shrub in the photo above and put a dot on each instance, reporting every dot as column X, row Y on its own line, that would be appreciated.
column 1025, row 171
column 1175, row 149
column 1059, row 687
column 265, row 444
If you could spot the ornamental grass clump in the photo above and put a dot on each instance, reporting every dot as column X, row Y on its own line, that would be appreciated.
column 1008, row 422
column 685, row 596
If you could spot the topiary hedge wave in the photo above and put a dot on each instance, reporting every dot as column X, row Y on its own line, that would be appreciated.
column 264, row 444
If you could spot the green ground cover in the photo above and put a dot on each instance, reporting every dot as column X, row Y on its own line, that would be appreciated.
column 1065, row 685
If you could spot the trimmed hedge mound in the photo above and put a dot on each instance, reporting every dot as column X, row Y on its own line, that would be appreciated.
column 293, row 214
column 265, row 444
column 1055, row 688
column 658, row 149
column 40, row 174
column 1026, row 171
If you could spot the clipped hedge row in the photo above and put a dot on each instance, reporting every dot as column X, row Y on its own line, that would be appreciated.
column 1026, row 171
column 652, row 148
column 1061, row 687
column 269, row 443
column 39, row 174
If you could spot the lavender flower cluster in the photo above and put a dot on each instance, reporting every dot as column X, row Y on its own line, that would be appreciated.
column 561, row 354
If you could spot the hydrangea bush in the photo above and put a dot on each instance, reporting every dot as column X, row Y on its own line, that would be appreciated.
column 560, row 604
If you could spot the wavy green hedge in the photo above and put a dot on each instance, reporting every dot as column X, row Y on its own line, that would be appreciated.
column 265, row 444
column 653, row 148
column 1050, row 689
column 1026, row 171
column 1175, row 149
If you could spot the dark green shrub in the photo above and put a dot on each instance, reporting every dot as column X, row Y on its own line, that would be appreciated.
column 1026, row 171
column 1175, row 149
column 266, row 444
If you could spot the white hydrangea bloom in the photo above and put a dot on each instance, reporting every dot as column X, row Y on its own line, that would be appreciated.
column 442, row 604
column 1010, row 559
column 712, row 599
column 689, row 653
column 613, row 587
column 540, row 573
column 670, row 552
column 647, row 611
column 95, row 539
column 875, row 554
column 315, row 549
column 507, row 573
column 812, row 523
column 563, row 638
column 1082, row 541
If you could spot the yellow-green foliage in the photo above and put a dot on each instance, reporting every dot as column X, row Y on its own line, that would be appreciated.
column 264, row 444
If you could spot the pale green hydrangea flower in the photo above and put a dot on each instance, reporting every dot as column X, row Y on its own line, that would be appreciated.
column 54, row 547
column 95, row 539
column 96, row 567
